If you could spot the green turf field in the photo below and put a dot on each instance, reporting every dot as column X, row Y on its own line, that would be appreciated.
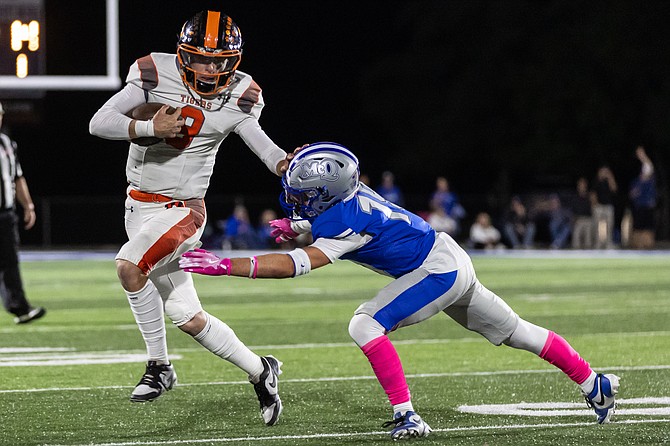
column 66, row 379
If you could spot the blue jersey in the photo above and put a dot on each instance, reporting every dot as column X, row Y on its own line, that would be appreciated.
column 381, row 235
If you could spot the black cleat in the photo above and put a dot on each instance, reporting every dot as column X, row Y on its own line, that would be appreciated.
column 33, row 314
column 156, row 380
column 267, row 389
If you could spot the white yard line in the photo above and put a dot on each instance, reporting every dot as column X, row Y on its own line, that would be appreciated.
column 310, row 345
column 625, row 406
column 5, row 350
column 75, row 359
column 340, row 378
column 65, row 328
column 359, row 434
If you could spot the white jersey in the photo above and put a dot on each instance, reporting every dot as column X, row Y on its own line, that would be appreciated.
column 181, row 167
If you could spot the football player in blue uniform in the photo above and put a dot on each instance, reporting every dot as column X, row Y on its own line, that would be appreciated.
column 432, row 274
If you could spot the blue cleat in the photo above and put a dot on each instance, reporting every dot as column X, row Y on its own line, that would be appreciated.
column 408, row 426
column 602, row 397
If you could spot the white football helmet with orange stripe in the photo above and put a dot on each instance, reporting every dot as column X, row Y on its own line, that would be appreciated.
column 209, row 50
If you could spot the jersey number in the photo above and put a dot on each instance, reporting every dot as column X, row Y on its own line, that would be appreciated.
column 367, row 204
column 193, row 120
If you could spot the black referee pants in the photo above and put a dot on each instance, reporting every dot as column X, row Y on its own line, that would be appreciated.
column 11, row 286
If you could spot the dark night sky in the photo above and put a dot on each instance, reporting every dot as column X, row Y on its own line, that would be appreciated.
column 499, row 96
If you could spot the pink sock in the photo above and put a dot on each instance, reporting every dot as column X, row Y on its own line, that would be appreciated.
column 558, row 352
column 388, row 369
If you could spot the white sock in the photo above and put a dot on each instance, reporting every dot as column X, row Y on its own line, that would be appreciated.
column 220, row 339
column 587, row 386
column 147, row 307
column 402, row 408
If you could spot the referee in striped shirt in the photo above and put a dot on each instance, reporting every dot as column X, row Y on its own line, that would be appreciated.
column 13, row 188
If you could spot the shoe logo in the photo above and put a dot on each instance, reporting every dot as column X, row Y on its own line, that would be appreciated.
column 602, row 395
column 273, row 383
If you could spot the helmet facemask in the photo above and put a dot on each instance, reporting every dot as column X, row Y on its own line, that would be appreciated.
column 298, row 204
column 215, row 72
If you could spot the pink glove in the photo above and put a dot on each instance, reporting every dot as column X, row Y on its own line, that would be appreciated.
column 204, row 262
column 282, row 230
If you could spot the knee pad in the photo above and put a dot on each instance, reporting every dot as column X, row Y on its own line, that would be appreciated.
column 363, row 328
column 178, row 293
column 178, row 313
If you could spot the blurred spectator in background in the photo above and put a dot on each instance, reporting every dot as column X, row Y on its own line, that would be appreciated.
column 642, row 194
column 448, row 201
column 582, row 225
column 239, row 233
column 483, row 235
column 603, row 198
column 264, row 239
column 441, row 222
column 519, row 228
column 365, row 179
column 389, row 190
column 13, row 188
column 560, row 222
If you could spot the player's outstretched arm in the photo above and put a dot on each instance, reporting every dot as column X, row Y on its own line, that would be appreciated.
column 282, row 166
column 278, row 266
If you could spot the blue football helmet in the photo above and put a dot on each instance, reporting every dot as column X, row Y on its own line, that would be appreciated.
column 320, row 176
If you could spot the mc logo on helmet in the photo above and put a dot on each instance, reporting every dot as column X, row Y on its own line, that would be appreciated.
column 327, row 170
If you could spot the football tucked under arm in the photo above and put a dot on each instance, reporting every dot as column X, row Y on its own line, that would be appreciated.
column 146, row 112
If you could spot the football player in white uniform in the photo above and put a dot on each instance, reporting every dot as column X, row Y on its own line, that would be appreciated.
column 170, row 162
column 432, row 275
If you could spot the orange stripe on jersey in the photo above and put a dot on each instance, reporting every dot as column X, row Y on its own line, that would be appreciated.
column 250, row 97
column 212, row 29
column 148, row 73
column 175, row 236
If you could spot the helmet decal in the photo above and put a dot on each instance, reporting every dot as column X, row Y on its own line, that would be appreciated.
column 325, row 169
column 212, row 29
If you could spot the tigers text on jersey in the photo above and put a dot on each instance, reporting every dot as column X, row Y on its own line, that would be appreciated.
column 181, row 167
column 369, row 230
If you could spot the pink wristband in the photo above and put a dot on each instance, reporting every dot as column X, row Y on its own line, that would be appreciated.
column 227, row 265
